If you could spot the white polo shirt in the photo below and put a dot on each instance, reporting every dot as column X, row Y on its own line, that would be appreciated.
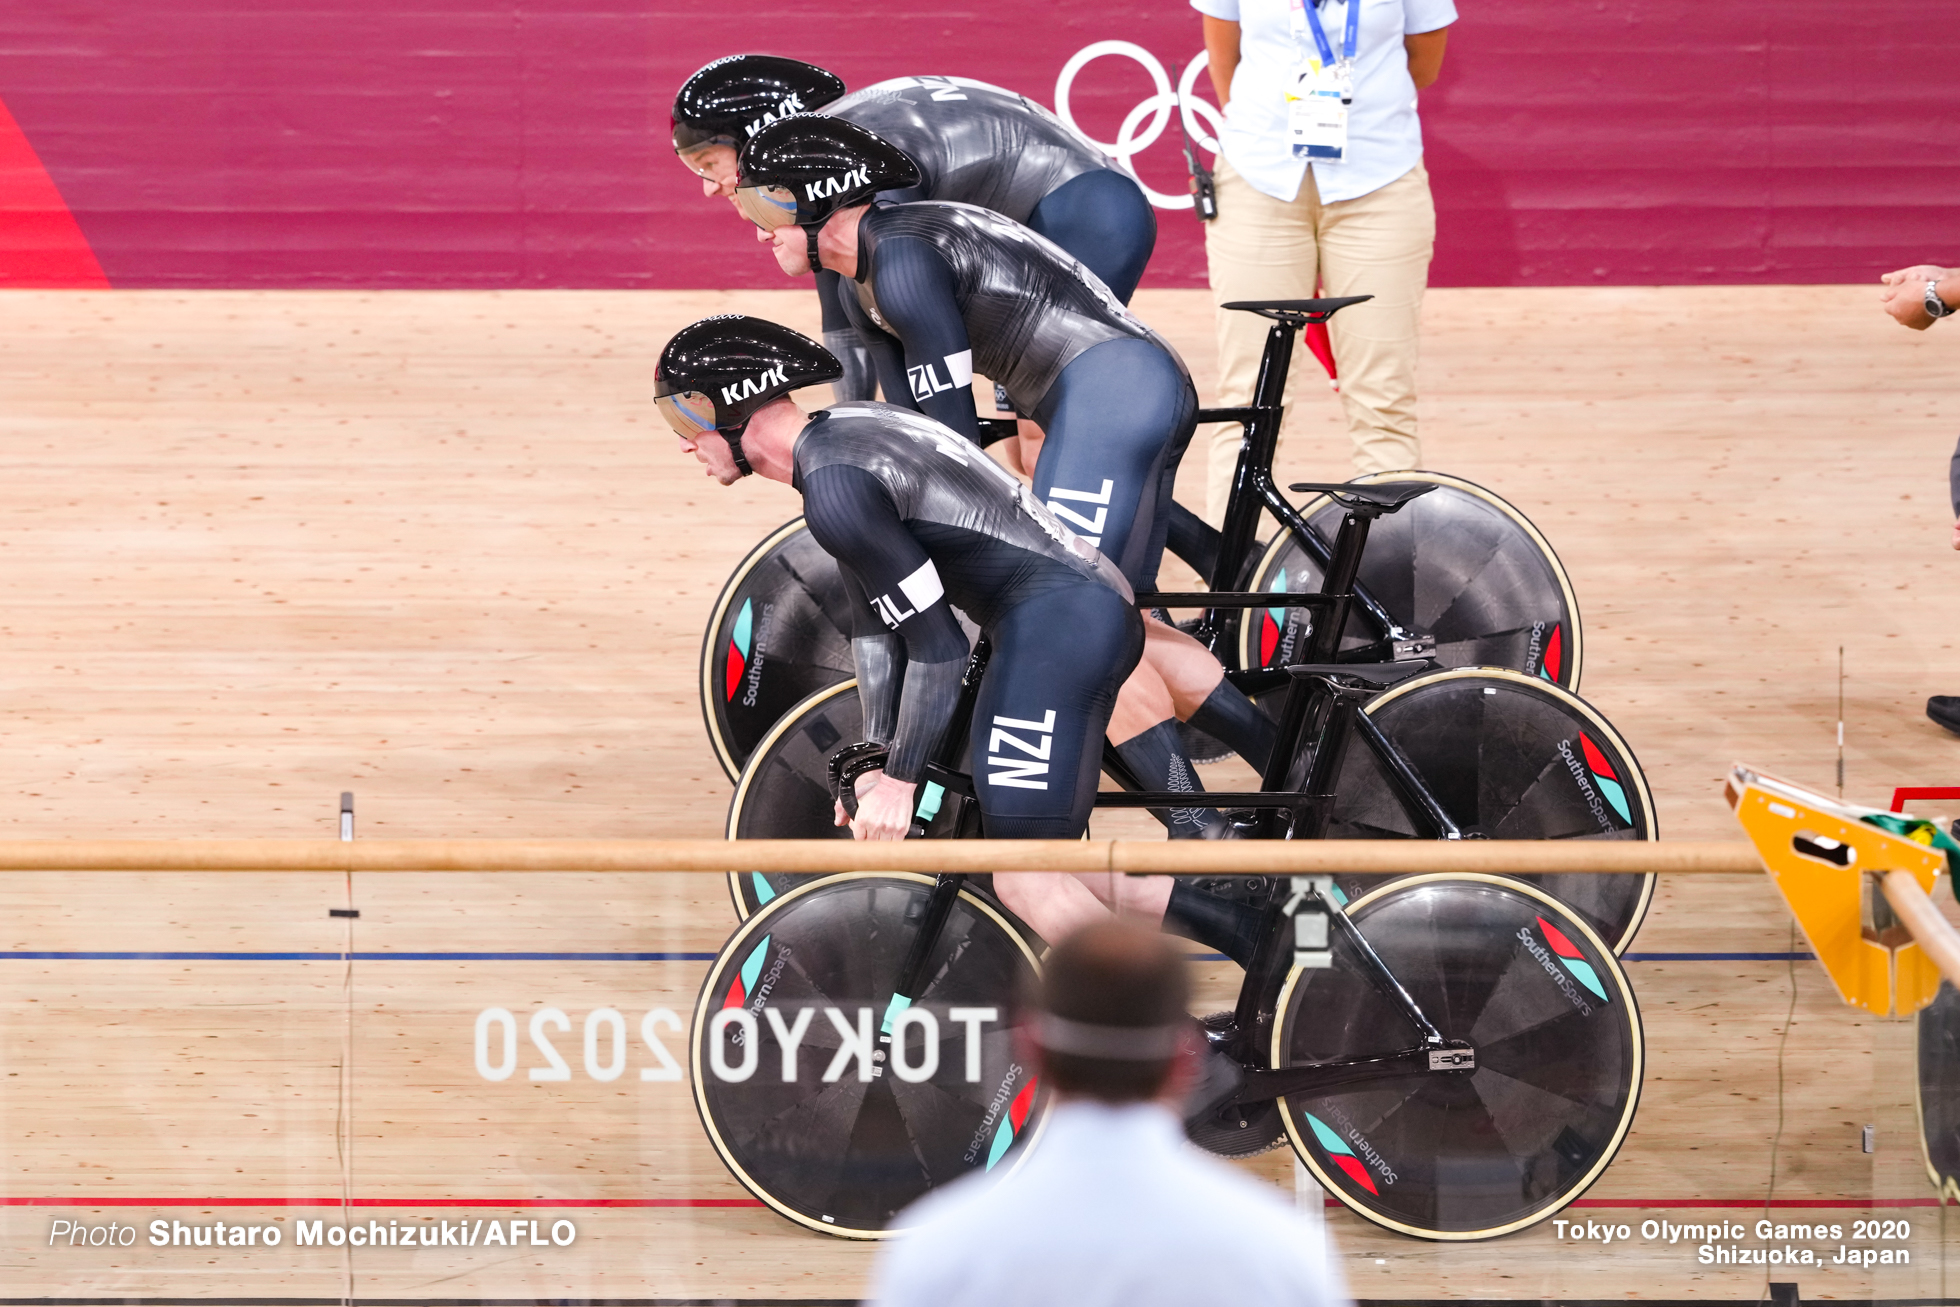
column 1112, row 1209
column 1384, row 135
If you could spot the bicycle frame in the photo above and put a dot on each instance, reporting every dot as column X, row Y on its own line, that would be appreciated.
column 1315, row 704
column 1253, row 488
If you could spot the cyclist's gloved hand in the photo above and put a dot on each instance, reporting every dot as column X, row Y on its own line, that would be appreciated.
column 885, row 807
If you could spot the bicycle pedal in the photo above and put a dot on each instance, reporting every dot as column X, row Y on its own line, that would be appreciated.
column 1221, row 1031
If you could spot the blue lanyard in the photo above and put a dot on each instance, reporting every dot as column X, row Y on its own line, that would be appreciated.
column 1350, row 34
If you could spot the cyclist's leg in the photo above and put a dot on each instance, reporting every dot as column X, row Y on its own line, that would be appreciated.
column 1225, row 913
column 1143, row 730
column 1179, row 680
column 1117, row 419
column 1038, row 725
column 1037, row 736
column 1103, row 219
column 1200, row 694
column 1032, row 681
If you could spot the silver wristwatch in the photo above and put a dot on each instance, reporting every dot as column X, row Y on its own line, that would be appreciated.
column 1935, row 306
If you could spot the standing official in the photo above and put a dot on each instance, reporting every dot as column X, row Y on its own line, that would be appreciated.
column 1321, row 189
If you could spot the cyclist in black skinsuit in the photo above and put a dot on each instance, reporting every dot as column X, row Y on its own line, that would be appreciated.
column 920, row 520
column 973, row 143
column 942, row 289
column 938, row 291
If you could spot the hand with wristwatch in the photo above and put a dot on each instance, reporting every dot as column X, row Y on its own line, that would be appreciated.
column 1912, row 295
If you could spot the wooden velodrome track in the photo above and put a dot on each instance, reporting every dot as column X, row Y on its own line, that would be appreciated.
column 437, row 549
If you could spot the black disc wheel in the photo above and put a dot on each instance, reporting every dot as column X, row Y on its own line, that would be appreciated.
column 784, row 791
column 1544, row 1005
column 780, row 631
column 1459, row 565
column 1939, row 1090
column 785, row 1075
column 1508, row 757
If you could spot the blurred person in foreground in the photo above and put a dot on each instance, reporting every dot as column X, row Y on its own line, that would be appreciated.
column 1918, row 297
column 1111, row 1206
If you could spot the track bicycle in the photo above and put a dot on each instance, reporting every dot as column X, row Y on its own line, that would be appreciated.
column 1454, row 1057
column 1479, row 753
column 1462, row 577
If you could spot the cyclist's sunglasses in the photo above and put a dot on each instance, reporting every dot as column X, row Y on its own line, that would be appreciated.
column 768, row 207
column 691, row 155
column 689, row 412
column 689, row 138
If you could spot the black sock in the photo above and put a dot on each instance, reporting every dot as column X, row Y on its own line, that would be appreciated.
column 1157, row 757
column 1232, row 923
column 1230, row 718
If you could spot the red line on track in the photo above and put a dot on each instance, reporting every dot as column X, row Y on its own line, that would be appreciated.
column 1904, row 792
column 1757, row 1202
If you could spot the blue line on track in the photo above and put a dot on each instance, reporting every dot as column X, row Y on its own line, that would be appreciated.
column 1717, row 957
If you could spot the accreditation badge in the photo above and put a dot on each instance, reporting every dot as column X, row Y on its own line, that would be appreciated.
column 1317, row 111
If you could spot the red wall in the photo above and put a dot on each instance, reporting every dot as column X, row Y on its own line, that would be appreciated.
column 522, row 142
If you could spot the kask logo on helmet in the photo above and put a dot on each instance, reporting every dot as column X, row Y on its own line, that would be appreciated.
column 789, row 104
column 825, row 187
column 749, row 387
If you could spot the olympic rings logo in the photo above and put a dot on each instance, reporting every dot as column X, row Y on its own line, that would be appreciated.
column 1134, row 138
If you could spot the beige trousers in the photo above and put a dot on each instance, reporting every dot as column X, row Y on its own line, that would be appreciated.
column 1379, row 244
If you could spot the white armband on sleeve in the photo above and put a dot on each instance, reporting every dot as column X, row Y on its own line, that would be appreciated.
column 918, row 592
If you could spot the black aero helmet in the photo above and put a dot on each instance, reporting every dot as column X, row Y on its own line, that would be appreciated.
column 731, row 98
column 808, row 166
column 714, row 374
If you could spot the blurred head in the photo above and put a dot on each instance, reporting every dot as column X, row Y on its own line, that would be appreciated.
column 1109, row 1018
column 724, row 104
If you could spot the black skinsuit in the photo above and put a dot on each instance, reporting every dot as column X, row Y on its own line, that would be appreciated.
column 981, row 144
column 945, row 290
column 918, row 520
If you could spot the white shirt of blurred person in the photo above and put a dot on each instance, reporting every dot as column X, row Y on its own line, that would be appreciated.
column 1111, row 1207
column 1291, row 228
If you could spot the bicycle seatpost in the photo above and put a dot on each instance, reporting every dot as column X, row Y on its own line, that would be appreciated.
column 1324, row 645
column 1312, row 710
column 1261, row 443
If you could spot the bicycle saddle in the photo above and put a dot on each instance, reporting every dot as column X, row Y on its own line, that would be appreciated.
column 1386, row 495
column 1298, row 312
